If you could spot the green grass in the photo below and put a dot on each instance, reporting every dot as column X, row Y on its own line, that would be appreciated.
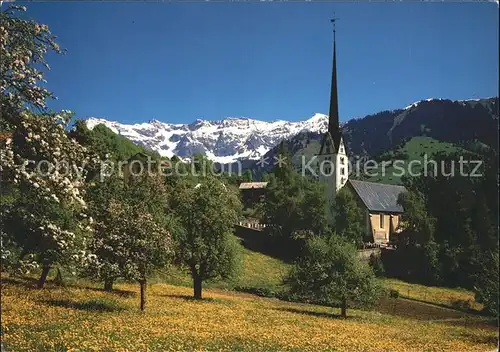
column 442, row 296
column 258, row 271
column 85, row 319
column 81, row 317
column 414, row 148
column 262, row 271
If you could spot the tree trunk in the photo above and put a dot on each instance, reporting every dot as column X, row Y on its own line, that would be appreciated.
column 108, row 285
column 197, row 286
column 43, row 278
column 343, row 308
column 59, row 279
column 143, row 294
column 21, row 257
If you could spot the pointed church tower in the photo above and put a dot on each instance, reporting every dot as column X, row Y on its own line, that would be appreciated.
column 332, row 160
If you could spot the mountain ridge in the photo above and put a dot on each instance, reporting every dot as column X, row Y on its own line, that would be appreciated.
column 245, row 139
column 225, row 140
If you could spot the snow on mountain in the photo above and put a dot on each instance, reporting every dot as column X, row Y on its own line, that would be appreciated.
column 415, row 104
column 222, row 141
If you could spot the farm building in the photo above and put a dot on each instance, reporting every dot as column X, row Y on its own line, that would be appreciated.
column 252, row 192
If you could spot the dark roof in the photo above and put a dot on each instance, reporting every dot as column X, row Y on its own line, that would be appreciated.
column 379, row 196
column 334, row 141
column 333, row 114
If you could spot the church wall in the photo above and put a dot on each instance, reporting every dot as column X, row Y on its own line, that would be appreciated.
column 381, row 224
column 368, row 232
column 395, row 222
column 341, row 167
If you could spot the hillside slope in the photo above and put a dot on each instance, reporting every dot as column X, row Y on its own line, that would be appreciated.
column 452, row 122
column 86, row 319
column 246, row 140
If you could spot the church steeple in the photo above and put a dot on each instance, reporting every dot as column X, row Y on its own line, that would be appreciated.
column 333, row 117
column 332, row 164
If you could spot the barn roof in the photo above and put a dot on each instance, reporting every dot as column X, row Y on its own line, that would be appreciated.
column 253, row 185
column 379, row 196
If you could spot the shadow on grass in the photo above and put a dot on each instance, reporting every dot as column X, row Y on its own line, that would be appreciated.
column 121, row 293
column 258, row 291
column 261, row 242
column 192, row 299
column 26, row 282
column 419, row 310
column 446, row 306
column 486, row 340
column 311, row 313
column 31, row 283
column 469, row 322
column 406, row 308
column 97, row 305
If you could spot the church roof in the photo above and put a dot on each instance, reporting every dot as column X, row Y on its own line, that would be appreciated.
column 333, row 114
column 378, row 196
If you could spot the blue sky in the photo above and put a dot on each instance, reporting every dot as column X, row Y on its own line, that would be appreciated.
column 177, row 62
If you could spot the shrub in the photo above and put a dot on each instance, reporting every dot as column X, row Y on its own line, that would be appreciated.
column 376, row 264
column 259, row 291
column 331, row 273
column 394, row 293
column 486, row 284
column 462, row 304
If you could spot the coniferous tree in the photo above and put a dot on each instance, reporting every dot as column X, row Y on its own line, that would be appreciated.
column 350, row 222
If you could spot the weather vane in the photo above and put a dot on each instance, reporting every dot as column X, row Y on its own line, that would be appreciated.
column 333, row 21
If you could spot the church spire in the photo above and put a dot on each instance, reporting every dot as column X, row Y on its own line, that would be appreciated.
column 333, row 116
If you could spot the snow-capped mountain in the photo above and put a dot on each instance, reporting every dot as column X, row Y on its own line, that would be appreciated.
column 231, row 139
column 222, row 141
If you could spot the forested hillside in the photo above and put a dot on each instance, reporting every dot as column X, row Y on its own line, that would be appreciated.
column 465, row 123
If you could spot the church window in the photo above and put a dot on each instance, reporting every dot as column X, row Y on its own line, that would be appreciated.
column 341, row 149
column 382, row 221
column 342, row 161
column 342, row 171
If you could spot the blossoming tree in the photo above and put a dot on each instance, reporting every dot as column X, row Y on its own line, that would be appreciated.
column 132, row 231
column 23, row 48
column 43, row 169
column 47, row 218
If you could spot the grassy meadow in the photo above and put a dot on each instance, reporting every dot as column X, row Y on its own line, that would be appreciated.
column 81, row 317
column 415, row 148
column 440, row 296
column 88, row 319
column 258, row 271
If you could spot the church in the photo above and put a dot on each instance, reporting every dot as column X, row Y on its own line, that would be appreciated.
column 378, row 201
